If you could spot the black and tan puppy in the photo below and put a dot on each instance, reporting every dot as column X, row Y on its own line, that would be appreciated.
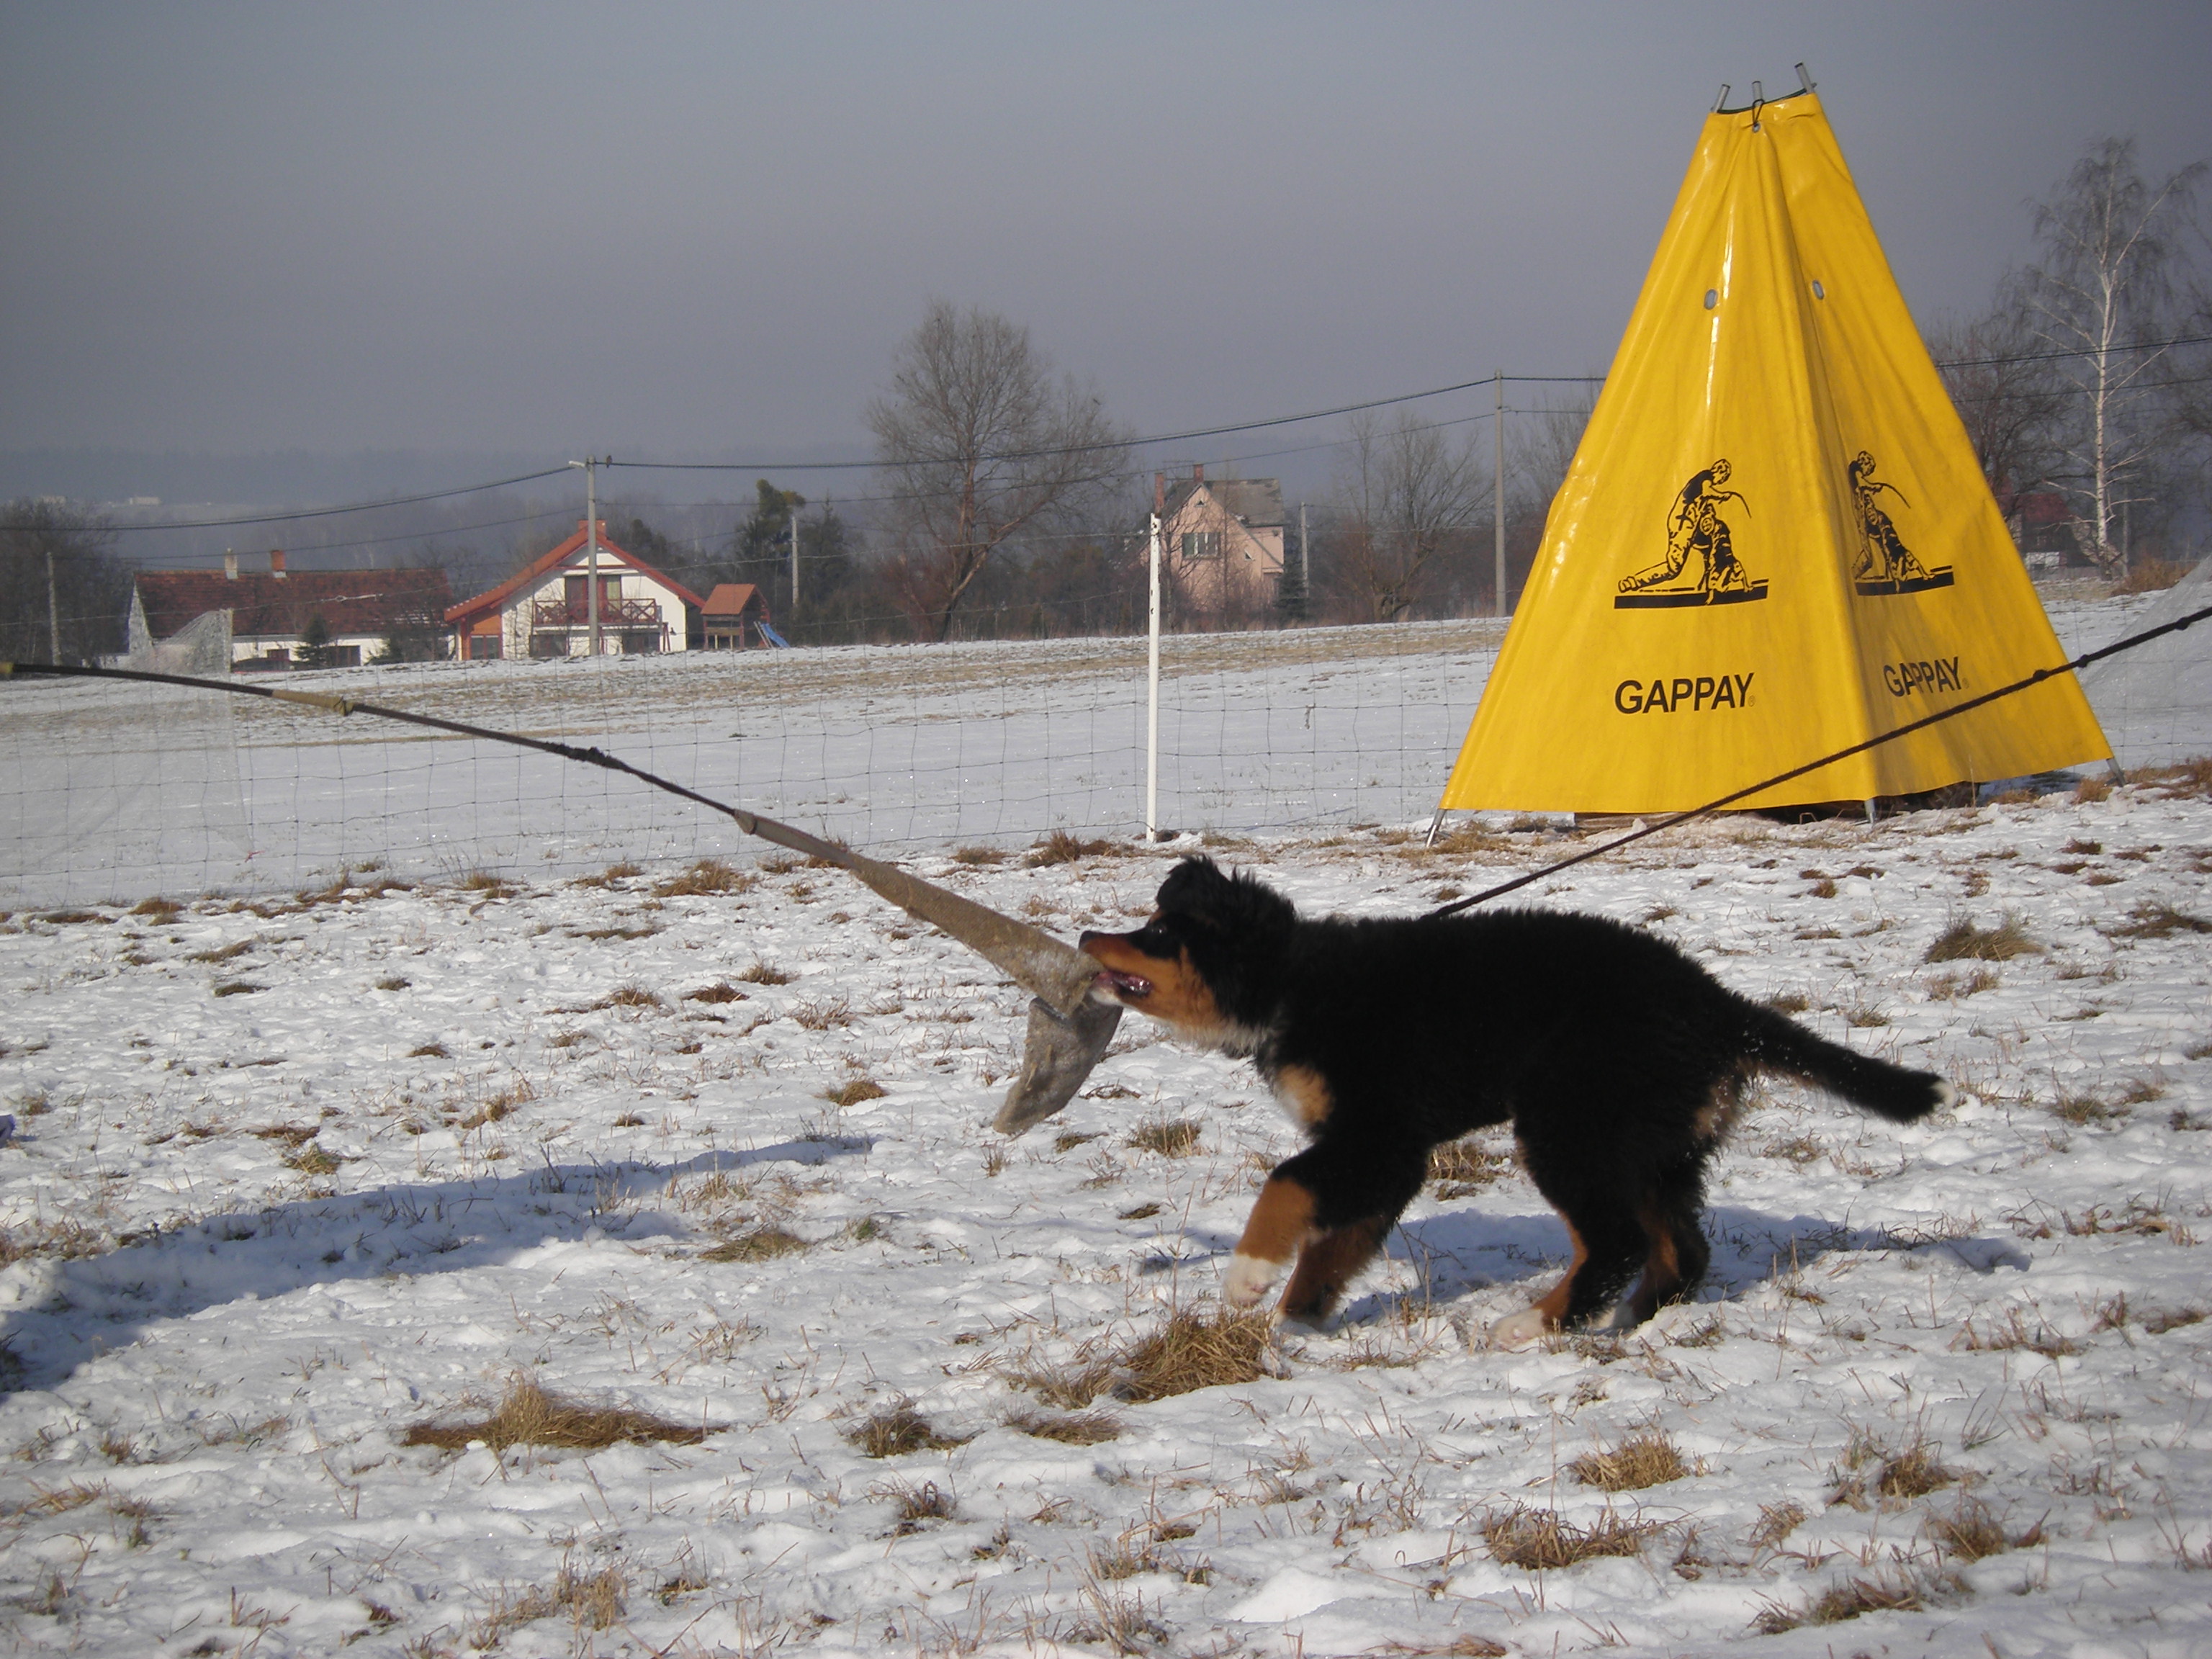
column 1618, row 1060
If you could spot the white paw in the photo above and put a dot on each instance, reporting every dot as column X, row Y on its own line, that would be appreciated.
column 1518, row 1330
column 1248, row 1279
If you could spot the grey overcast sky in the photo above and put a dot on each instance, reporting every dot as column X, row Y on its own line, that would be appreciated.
column 700, row 230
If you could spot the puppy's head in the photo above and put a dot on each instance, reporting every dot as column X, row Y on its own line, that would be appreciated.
column 1206, row 963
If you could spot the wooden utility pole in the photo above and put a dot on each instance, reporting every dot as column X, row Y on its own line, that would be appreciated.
column 1497, row 489
column 794, row 563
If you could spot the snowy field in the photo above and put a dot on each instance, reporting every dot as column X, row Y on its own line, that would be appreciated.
column 296, row 1179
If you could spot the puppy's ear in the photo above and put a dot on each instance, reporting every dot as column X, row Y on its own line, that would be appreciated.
column 1191, row 885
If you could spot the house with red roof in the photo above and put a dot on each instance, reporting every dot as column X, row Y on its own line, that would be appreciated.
column 275, row 614
column 546, row 611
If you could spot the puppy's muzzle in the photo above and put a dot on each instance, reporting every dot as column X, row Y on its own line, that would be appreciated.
column 1113, row 983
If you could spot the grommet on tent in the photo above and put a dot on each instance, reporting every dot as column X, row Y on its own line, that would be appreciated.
column 1819, row 293
column 1712, row 298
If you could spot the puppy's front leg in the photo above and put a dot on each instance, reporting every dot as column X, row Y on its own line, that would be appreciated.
column 1280, row 1224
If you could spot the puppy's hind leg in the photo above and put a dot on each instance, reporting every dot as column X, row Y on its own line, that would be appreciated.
column 1606, row 1248
column 1327, row 1264
column 1679, row 1254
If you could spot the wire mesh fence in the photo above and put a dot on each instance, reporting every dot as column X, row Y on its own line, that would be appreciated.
column 118, row 792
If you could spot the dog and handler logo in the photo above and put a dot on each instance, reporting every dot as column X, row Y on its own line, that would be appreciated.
column 1701, row 566
column 1885, row 566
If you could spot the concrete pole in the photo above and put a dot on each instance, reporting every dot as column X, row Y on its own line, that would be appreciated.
column 53, row 616
column 794, row 564
column 1152, row 703
column 591, row 551
column 1498, row 487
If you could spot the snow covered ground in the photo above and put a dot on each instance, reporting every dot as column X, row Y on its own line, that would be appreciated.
column 294, row 1177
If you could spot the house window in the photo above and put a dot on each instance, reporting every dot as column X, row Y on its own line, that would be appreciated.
column 549, row 645
column 483, row 647
column 1201, row 544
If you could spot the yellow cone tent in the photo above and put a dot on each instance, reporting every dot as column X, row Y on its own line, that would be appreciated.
column 1774, row 541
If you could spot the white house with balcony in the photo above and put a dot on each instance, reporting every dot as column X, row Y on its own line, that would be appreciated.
column 547, row 611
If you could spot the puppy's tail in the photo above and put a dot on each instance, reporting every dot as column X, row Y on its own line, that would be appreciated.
column 1777, row 1044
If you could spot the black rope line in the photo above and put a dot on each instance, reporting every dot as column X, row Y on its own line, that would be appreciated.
column 749, row 822
column 1669, row 823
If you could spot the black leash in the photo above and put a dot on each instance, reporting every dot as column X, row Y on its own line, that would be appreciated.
column 2036, row 678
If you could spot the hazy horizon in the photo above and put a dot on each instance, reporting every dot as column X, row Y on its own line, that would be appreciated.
column 371, row 250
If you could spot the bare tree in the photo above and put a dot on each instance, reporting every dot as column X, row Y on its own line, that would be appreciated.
column 978, row 443
column 64, row 596
column 2007, row 391
column 1540, row 445
column 2111, row 283
column 1405, row 497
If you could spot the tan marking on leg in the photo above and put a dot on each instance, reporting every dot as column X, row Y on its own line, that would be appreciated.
column 1663, row 1266
column 1305, row 1094
column 1552, row 1305
column 1280, row 1222
column 1327, row 1264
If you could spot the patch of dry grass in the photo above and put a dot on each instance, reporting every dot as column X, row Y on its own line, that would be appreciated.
column 2191, row 777
column 761, row 1244
column 707, row 878
column 2158, row 921
column 1954, row 987
column 590, row 1601
column 527, row 1415
column 765, row 973
column 1062, row 848
column 1971, row 1532
column 852, row 1093
column 1460, row 1167
column 1963, row 942
column 1776, row 1522
column 913, row 1505
column 717, row 994
column 1644, row 1460
column 826, row 1015
column 897, row 1429
column 1191, row 1351
column 1068, row 1428
column 979, row 854
column 1169, row 1137
column 1539, row 1540
column 2011, row 1334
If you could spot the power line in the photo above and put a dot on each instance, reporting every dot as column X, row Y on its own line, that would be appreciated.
column 1140, row 442
column 355, row 506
